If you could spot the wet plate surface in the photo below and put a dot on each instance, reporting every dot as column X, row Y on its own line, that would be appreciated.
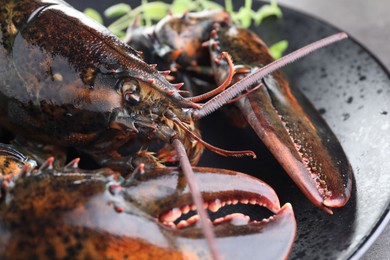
column 352, row 91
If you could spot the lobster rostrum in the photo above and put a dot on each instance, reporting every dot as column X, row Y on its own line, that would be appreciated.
column 300, row 140
column 66, row 81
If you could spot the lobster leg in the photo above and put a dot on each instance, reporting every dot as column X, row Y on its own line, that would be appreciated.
column 300, row 140
column 12, row 161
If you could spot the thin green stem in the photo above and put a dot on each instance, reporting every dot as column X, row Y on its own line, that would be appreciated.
column 248, row 5
column 229, row 6
column 148, row 21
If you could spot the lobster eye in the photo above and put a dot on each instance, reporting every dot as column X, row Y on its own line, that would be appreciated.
column 131, row 92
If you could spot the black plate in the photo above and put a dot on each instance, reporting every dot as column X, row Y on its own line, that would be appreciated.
column 352, row 91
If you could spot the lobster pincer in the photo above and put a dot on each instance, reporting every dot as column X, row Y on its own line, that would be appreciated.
column 299, row 139
column 98, row 214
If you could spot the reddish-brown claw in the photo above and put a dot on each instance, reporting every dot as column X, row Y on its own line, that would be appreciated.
column 243, row 210
column 298, row 137
column 89, row 214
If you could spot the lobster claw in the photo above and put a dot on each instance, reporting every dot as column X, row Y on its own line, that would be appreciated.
column 245, row 212
column 304, row 145
column 104, row 216
column 297, row 136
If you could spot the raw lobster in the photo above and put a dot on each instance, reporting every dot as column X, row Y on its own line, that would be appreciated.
column 304, row 145
column 68, row 82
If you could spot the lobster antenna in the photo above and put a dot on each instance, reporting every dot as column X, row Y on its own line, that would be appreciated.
column 213, row 148
column 225, row 96
column 206, row 225
column 224, row 85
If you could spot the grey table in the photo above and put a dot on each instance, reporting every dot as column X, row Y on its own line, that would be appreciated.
column 369, row 23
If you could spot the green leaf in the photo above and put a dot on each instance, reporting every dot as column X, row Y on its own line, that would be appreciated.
column 155, row 10
column 278, row 48
column 121, row 24
column 180, row 6
column 121, row 34
column 117, row 10
column 94, row 15
column 245, row 17
column 211, row 5
column 267, row 11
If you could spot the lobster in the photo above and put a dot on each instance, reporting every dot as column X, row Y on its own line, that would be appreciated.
column 305, row 147
column 123, row 102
